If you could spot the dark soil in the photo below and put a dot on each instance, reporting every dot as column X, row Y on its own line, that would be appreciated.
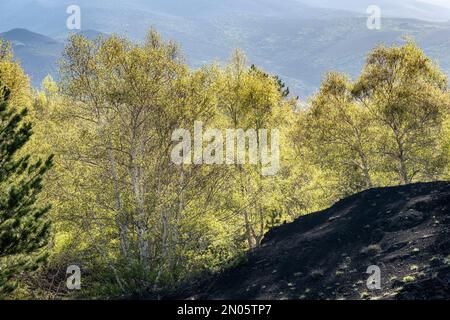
column 405, row 231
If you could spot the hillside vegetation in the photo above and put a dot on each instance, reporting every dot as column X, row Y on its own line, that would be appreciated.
column 138, row 224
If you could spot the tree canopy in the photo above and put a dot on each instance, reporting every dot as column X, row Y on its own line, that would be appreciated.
column 138, row 223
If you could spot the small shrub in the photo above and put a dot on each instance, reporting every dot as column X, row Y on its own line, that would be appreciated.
column 371, row 250
column 447, row 260
column 409, row 279
column 317, row 274
column 414, row 267
column 339, row 273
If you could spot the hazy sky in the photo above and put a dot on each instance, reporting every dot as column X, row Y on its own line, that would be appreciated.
column 445, row 3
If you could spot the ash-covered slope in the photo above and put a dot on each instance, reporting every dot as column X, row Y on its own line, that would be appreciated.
column 403, row 230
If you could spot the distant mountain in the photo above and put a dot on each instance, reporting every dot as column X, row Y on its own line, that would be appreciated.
column 24, row 36
column 432, row 10
column 133, row 16
column 302, row 51
column 37, row 53
column 295, row 39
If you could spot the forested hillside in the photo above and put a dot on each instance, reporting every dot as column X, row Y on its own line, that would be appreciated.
column 139, row 224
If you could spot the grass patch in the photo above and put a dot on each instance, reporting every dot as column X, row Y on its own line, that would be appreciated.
column 339, row 273
column 317, row 274
column 409, row 279
column 371, row 250
column 365, row 295
column 447, row 260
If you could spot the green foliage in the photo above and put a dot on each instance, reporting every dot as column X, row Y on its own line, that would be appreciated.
column 138, row 224
column 386, row 128
column 24, row 227
column 406, row 95
column 408, row 279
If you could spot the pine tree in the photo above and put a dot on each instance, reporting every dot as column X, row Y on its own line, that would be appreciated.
column 24, row 227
